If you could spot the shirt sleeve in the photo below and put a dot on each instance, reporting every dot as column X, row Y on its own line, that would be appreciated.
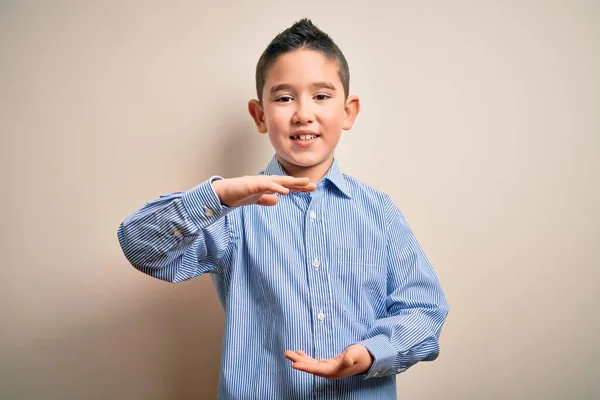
column 415, row 303
column 178, row 236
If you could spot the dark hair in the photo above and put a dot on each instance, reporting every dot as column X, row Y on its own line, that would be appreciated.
column 302, row 34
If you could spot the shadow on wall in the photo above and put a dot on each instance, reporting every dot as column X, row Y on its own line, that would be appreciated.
column 150, row 340
column 170, row 347
column 243, row 150
column 194, row 316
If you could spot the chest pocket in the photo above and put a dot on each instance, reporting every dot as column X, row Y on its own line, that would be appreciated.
column 362, row 275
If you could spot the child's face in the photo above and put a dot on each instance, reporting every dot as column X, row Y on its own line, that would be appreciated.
column 304, row 111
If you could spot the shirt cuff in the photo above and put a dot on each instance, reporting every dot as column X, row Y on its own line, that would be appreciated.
column 383, row 354
column 203, row 205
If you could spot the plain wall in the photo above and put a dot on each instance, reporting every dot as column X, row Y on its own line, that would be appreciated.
column 479, row 118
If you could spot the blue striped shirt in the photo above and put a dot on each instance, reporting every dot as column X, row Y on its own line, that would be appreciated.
column 318, row 272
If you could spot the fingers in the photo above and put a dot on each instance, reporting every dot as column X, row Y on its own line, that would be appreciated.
column 329, row 368
column 344, row 364
column 292, row 183
column 267, row 200
column 323, row 368
column 274, row 187
column 292, row 356
column 288, row 180
column 248, row 190
column 298, row 356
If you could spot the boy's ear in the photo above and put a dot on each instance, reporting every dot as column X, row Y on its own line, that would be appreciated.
column 258, row 115
column 351, row 111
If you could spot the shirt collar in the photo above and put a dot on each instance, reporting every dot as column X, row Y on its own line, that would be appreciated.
column 334, row 175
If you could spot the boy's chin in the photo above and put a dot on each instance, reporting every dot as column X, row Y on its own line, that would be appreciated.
column 304, row 162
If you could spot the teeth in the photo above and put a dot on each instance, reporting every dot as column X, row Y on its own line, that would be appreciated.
column 305, row 137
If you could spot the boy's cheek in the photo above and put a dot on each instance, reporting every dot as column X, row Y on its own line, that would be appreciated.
column 275, row 123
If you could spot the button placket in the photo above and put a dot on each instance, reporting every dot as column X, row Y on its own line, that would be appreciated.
column 317, row 262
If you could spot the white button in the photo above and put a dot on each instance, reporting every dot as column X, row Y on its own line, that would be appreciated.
column 313, row 215
column 209, row 213
column 177, row 233
column 316, row 263
column 321, row 316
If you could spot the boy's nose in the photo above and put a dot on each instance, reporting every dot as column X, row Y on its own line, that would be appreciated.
column 303, row 115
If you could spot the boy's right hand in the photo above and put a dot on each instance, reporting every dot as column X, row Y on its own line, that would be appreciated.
column 259, row 189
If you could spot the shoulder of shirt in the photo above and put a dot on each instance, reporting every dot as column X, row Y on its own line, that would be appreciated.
column 362, row 189
column 373, row 200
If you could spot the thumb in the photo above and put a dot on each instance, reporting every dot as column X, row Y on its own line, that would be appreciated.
column 348, row 360
column 267, row 200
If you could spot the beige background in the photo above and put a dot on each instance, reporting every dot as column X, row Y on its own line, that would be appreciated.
column 480, row 119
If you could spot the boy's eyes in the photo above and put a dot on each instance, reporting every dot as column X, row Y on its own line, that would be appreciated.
column 322, row 96
column 284, row 99
column 318, row 97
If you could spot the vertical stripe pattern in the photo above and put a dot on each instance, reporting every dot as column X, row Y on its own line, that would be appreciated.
column 318, row 272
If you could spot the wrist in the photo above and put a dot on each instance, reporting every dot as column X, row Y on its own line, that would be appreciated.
column 366, row 356
column 216, row 183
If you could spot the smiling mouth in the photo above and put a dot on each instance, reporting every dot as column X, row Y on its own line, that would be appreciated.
column 304, row 137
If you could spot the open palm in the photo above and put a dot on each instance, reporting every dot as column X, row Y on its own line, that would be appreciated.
column 354, row 360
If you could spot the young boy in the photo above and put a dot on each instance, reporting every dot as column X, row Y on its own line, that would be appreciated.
column 330, row 277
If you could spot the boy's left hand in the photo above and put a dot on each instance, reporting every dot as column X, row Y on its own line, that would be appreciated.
column 354, row 360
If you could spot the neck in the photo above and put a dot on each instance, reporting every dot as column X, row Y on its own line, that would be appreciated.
column 314, row 172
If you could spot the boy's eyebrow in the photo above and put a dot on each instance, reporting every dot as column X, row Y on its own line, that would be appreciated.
column 324, row 84
column 287, row 86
